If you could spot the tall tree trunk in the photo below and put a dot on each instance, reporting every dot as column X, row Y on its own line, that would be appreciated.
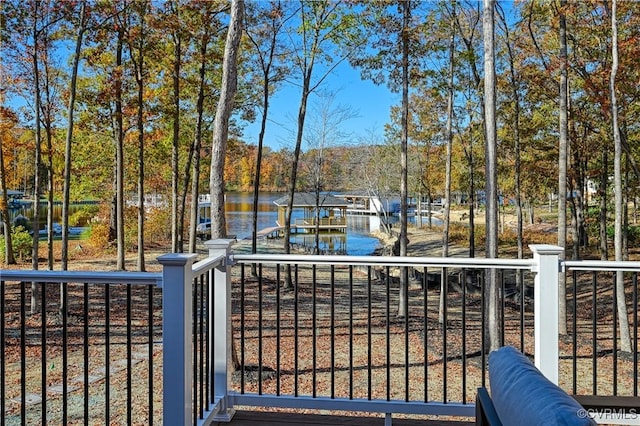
column 197, row 144
column 266, row 63
column 472, row 202
column 49, row 173
column 139, row 69
column 302, row 112
column 447, row 179
column 177, row 42
column 404, row 142
column 577, row 205
column 477, row 78
column 625, row 213
column 514, row 80
column 47, row 119
column 307, row 72
column 313, row 37
column 221, row 122
column 119, row 136
column 316, row 245
column 182, row 206
column 578, row 189
column 491, row 218
column 69, row 140
column 221, row 130
column 602, row 191
column 625, row 336
column 266, row 69
column 35, row 294
column 563, row 144
column 47, row 108
column 256, row 181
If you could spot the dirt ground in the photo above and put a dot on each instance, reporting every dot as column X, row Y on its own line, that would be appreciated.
column 421, row 333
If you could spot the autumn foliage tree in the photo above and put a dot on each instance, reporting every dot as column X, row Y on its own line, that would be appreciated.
column 135, row 135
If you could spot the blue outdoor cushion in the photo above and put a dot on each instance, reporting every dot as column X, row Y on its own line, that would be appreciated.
column 523, row 396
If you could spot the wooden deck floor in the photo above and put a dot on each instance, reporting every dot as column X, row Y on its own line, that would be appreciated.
column 259, row 418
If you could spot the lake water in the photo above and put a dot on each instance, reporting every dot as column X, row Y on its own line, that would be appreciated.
column 27, row 211
column 239, row 215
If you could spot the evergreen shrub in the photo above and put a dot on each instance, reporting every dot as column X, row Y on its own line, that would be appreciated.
column 21, row 241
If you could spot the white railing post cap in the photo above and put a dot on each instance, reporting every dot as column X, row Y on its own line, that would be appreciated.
column 546, row 249
column 176, row 259
column 220, row 243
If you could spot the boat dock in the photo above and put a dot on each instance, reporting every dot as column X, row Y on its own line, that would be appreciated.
column 270, row 232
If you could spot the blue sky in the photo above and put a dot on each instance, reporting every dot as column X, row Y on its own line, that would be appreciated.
column 371, row 103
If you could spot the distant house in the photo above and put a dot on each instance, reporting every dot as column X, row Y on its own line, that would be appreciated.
column 13, row 194
column 362, row 203
column 332, row 212
column 14, row 198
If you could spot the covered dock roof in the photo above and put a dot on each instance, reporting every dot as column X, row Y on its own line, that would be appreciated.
column 333, row 218
column 308, row 199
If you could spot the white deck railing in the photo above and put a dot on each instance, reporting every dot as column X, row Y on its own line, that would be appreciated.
column 180, row 274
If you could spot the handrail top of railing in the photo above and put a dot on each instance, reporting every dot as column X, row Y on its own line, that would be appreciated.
column 601, row 265
column 100, row 277
column 207, row 264
column 459, row 262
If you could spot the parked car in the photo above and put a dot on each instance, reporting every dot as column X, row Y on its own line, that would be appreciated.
column 203, row 230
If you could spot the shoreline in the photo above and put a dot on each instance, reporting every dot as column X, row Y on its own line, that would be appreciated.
column 423, row 242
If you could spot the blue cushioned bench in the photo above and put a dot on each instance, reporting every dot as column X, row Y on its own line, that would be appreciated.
column 522, row 395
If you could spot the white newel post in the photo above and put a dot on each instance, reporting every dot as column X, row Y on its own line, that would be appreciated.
column 547, row 268
column 222, row 335
column 177, row 338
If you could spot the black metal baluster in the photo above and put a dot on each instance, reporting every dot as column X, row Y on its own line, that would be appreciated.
column 425, row 340
column 614, row 338
column 635, row 334
column 351, row 330
column 194, row 342
column 445, row 322
column 574, row 275
column 43, row 349
column 405, row 272
column 522, row 306
column 369, row 355
column 333, row 333
column 483, row 355
column 23, row 353
column 464, row 336
column 295, row 331
column 260, row 333
column 314, row 336
column 202, row 318
column 503, row 304
column 150, row 353
column 64, row 311
column 3, row 368
column 388, row 332
column 107, row 354
column 278, row 330
column 86, row 352
column 129, row 366
column 594, row 336
column 208, row 375
column 242, row 327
